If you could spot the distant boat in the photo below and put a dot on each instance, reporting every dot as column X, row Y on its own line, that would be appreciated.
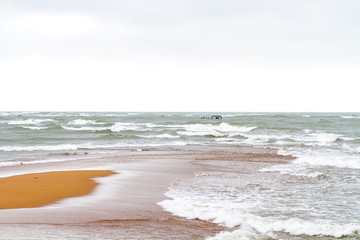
column 216, row 117
column 212, row 117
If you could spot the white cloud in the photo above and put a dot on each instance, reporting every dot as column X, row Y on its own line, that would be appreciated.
column 179, row 55
column 50, row 25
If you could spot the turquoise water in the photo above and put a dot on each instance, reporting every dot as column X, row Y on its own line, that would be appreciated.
column 316, row 196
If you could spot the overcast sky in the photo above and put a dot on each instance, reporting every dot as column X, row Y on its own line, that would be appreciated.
column 186, row 55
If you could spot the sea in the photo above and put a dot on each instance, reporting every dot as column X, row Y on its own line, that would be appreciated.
column 316, row 195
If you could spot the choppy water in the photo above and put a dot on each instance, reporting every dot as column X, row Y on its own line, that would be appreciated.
column 316, row 196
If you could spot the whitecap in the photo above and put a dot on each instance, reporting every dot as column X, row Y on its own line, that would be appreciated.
column 323, row 138
column 39, row 147
column 165, row 135
column 120, row 126
column 307, row 130
column 225, row 127
column 297, row 227
column 329, row 157
column 349, row 117
column 232, row 214
column 202, row 133
column 83, row 122
column 94, row 129
column 34, row 127
column 29, row 121
column 240, row 234
column 51, row 160
column 297, row 170
column 340, row 161
column 220, row 130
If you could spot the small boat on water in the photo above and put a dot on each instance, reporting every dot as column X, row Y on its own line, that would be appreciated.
column 212, row 117
column 216, row 117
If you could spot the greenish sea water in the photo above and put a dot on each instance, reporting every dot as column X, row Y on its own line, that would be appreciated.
column 316, row 196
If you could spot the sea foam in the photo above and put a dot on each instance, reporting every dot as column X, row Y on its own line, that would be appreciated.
column 34, row 127
column 39, row 147
column 332, row 158
column 93, row 129
column 234, row 212
column 349, row 117
column 29, row 121
column 83, row 122
column 219, row 130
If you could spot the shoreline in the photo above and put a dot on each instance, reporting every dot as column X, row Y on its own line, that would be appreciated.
column 127, row 203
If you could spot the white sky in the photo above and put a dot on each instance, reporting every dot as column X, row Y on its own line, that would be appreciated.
column 161, row 55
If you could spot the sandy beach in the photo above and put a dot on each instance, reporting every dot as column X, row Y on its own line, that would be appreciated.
column 124, row 203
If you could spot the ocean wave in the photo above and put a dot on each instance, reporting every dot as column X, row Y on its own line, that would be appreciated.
column 87, row 114
column 322, row 138
column 31, row 162
column 117, row 127
column 268, row 138
column 328, row 160
column 120, row 126
column 349, row 149
column 83, row 122
column 316, row 138
column 87, row 146
column 332, row 158
column 165, row 135
column 52, row 114
column 39, row 148
column 294, row 170
column 92, row 129
column 349, row 117
column 29, row 121
column 243, row 233
column 234, row 214
column 200, row 133
column 34, row 127
column 295, row 227
column 220, row 130
column 225, row 127
column 277, row 139
column 9, row 164
column 219, row 213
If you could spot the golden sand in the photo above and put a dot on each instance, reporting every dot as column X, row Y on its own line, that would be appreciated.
column 40, row 189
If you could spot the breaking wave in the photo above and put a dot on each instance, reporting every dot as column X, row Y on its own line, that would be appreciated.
column 34, row 127
column 349, row 117
column 29, row 121
column 84, row 122
column 220, row 130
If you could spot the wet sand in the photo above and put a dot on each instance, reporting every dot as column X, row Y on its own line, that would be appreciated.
column 124, row 205
column 40, row 189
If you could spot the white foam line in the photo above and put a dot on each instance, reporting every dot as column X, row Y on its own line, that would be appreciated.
column 107, row 189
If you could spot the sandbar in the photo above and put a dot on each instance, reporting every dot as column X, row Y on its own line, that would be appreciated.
column 40, row 189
